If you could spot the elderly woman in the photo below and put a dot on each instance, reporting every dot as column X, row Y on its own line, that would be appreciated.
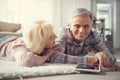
column 32, row 48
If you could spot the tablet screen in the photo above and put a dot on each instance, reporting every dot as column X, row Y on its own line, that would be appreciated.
column 88, row 68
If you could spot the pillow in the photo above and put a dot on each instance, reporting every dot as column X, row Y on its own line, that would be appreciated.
column 2, row 34
column 10, row 27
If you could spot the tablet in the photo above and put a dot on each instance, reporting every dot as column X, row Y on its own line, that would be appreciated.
column 88, row 68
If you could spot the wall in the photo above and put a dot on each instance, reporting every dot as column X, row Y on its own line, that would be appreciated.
column 68, row 6
column 64, row 8
column 26, row 11
column 54, row 11
column 117, row 28
column 115, row 18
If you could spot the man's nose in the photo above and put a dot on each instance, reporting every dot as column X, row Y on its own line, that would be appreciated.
column 81, row 29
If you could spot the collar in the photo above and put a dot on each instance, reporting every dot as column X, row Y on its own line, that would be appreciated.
column 71, row 40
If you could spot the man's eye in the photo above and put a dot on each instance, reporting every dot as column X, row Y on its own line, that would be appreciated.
column 86, row 26
column 77, row 26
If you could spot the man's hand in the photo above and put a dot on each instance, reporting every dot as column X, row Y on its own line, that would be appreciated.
column 92, row 60
column 103, row 59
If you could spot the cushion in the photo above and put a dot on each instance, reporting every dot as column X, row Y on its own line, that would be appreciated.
column 9, row 27
column 2, row 34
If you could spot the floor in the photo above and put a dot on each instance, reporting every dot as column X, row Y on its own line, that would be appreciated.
column 109, row 76
column 117, row 53
column 81, row 76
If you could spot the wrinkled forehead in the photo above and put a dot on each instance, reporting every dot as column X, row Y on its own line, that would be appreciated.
column 82, row 14
column 83, row 19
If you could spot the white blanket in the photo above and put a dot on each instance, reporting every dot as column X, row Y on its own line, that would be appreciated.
column 9, row 69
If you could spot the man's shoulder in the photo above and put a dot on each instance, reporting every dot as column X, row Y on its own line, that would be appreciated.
column 62, row 34
column 94, row 33
column 93, row 37
column 63, row 31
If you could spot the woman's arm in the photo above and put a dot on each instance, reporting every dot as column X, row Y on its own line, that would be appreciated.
column 24, row 57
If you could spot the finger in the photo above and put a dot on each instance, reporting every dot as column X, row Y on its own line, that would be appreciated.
column 115, row 67
column 96, row 62
column 99, row 56
column 100, row 61
column 104, row 60
column 54, row 49
column 107, row 62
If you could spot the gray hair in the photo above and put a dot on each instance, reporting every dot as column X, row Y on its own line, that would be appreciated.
column 81, row 12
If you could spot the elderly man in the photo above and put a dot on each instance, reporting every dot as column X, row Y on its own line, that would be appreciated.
column 78, row 38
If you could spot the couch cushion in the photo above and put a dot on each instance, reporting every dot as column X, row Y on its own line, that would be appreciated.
column 10, row 27
column 2, row 34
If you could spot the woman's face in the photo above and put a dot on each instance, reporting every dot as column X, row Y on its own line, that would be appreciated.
column 81, row 27
column 51, row 42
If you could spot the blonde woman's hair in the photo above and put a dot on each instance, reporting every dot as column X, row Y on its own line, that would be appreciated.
column 37, row 36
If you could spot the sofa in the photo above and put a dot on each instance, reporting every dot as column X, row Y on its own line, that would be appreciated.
column 7, row 28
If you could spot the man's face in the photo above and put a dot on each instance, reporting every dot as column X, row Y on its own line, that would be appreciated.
column 81, row 27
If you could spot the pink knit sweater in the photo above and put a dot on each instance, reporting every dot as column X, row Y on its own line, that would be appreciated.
column 15, row 50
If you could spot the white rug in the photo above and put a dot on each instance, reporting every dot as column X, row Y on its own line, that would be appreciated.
column 9, row 69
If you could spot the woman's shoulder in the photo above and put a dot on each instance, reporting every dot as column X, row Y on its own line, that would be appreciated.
column 19, row 42
column 7, row 39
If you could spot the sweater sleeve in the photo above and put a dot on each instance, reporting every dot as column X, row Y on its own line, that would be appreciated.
column 59, row 57
column 61, row 40
column 24, row 57
column 99, row 46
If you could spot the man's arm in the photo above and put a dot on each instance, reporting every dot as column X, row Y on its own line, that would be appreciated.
column 102, row 52
column 61, row 56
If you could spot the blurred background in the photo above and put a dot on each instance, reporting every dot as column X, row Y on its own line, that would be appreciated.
column 57, row 12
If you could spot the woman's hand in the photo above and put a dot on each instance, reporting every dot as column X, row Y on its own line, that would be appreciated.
column 51, row 51
column 103, row 59
column 46, row 55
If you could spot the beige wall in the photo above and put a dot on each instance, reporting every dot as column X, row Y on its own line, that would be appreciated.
column 54, row 11
column 26, row 11
column 117, row 27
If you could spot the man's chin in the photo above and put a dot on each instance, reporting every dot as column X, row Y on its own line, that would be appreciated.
column 79, row 40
